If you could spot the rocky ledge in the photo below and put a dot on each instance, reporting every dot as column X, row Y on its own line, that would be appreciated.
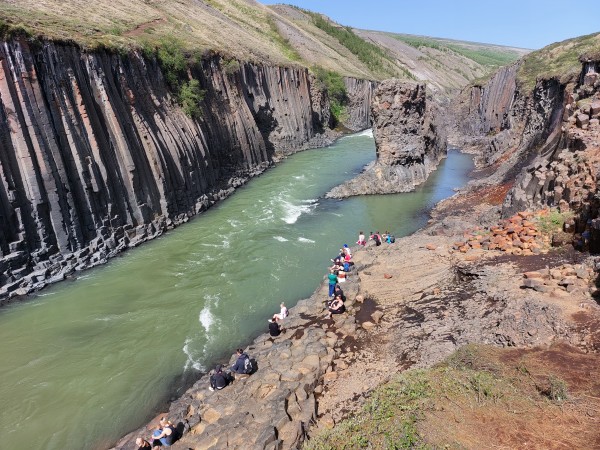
column 273, row 407
column 403, row 311
column 409, row 140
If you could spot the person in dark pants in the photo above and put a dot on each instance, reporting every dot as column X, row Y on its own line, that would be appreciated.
column 337, row 307
column 339, row 292
column 242, row 363
column 219, row 379
column 274, row 328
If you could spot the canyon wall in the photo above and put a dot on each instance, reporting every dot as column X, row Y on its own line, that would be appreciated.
column 410, row 141
column 507, row 128
column 360, row 96
column 543, row 146
column 96, row 155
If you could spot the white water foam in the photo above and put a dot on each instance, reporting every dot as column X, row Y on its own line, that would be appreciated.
column 280, row 238
column 368, row 133
column 190, row 361
column 306, row 240
column 293, row 212
column 206, row 318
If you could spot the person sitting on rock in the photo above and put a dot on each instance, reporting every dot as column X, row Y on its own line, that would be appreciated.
column 242, row 365
column 361, row 238
column 283, row 313
column 338, row 292
column 274, row 328
column 143, row 444
column 219, row 379
column 164, row 435
column 337, row 307
column 347, row 251
column 377, row 238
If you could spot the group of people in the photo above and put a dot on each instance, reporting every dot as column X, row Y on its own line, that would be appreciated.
column 220, row 378
column 338, row 274
column 276, row 322
column 165, row 433
column 377, row 237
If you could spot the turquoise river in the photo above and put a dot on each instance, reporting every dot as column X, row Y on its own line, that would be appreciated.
column 86, row 361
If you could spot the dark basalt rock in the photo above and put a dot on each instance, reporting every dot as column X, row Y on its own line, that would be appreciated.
column 96, row 156
column 409, row 139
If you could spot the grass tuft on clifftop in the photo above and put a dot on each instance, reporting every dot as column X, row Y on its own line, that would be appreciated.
column 175, row 67
column 559, row 60
column 333, row 83
column 476, row 391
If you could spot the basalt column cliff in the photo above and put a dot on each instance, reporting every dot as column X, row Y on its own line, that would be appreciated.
column 409, row 139
column 96, row 156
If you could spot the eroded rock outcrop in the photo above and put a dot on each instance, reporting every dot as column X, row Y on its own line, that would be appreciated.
column 409, row 139
column 96, row 156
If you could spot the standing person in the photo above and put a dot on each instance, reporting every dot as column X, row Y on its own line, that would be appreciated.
column 332, row 281
column 361, row 238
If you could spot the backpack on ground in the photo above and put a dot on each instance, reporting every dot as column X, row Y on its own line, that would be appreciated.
column 392, row 239
column 247, row 365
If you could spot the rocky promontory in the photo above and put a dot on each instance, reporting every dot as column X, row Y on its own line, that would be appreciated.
column 409, row 139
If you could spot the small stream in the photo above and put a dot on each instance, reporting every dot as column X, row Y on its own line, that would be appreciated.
column 87, row 361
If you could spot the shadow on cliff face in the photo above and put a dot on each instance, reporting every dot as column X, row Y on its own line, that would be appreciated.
column 266, row 125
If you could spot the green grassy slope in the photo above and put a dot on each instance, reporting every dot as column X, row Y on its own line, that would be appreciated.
column 246, row 30
column 557, row 60
column 492, row 56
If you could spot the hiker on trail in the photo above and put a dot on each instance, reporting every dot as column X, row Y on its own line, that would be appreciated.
column 361, row 238
column 332, row 277
column 242, row 365
column 143, row 444
column 219, row 379
column 337, row 307
column 274, row 328
column 284, row 312
column 164, row 434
